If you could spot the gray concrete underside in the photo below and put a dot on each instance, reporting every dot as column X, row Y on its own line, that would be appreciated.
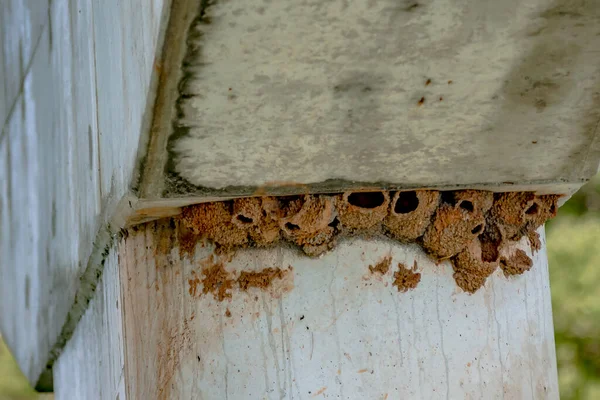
column 335, row 94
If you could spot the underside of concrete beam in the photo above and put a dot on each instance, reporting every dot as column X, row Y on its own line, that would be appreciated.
column 308, row 97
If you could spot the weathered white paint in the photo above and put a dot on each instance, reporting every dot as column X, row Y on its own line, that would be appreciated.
column 339, row 332
column 74, row 116
column 327, row 94
column 91, row 365
column 75, row 97
column 21, row 25
column 124, row 63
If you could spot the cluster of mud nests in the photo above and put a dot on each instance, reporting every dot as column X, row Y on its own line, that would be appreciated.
column 474, row 229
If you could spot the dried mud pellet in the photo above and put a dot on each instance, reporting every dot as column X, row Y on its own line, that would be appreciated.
column 516, row 264
column 362, row 210
column 267, row 231
column 314, row 214
column 273, row 208
column 534, row 240
column 186, row 240
column 308, row 226
column 406, row 278
column 491, row 241
column 319, row 243
column 410, row 214
column 247, row 212
column 452, row 229
column 382, row 266
column 545, row 208
column 517, row 212
column 261, row 279
column 444, row 223
column 213, row 221
column 470, row 271
column 473, row 200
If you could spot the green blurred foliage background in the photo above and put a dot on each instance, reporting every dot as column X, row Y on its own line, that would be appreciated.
column 574, row 256
column 573, row 239
column 13, row 385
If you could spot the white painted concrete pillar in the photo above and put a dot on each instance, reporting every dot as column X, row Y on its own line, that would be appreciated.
column 103, row 130
column 330, row 328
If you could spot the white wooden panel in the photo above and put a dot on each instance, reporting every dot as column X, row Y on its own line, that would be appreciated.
column 339, row 332
column 91, row 365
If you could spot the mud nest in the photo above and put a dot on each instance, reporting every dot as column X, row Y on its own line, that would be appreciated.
column 471, row 228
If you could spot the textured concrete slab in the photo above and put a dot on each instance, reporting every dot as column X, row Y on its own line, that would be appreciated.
column 321, row 96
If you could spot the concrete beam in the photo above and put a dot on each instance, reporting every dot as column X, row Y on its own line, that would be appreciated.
column 324, row 96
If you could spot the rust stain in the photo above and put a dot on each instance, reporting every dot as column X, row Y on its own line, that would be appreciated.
column 164, row 241
column 193, row 290
column 170, row 352
column 320, row 392
column 267, row 187
column 158, row 212
column 362, row 371
column 187, row 240
column 163, row 238
column 157, row 67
